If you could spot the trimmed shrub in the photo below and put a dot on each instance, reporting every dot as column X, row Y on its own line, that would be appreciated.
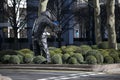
column 97, row 55
column 91, row 60
column 7, row 52
column 73, row 60
column 118, row 53
column 5, row 59
column 14, row 59
column 108, row 59
column 99, row 58
column 117, row 60
column 52, row 53
column 57, row 51
column 103, row 45
column 71, row 53
column 63, row 47
column 52, row 48
column 20, row 53
column 104, row 52
column 28, row 58
column 78, row 50
column 114, row 54
column 39, row 60
column 118, row 45
column 79, row 57
column 73, row 48
column 26, row 51
column 21, row 58
column 94, row 46
column 65, row 58
column 91, row 52
column 68, row 49
column 56, row 59
column 85, row 49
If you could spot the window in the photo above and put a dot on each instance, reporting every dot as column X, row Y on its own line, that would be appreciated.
column 77, row 31
column 22, row 33
column 9, row 32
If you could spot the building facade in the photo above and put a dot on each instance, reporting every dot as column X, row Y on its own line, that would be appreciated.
column 13, row 13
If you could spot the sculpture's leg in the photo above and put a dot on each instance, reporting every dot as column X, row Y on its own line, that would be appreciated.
column 47, row 55
column 36, row 47
column 45, row 48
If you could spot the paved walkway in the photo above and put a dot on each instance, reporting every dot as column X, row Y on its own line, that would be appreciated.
column 109, row 68
column 89, row 70
column 57, row 75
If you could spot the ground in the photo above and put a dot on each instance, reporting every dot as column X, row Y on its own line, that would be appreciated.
column 24, row 74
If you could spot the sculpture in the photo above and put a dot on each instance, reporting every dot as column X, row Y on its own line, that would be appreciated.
column 39, row 36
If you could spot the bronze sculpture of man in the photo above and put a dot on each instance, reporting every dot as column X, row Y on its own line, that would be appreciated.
column 39, row 36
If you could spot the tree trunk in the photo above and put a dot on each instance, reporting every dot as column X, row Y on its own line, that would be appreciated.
column 16, row 44
column 15, row 26
column 97, row 21
column 111, row 24
column 42, row 6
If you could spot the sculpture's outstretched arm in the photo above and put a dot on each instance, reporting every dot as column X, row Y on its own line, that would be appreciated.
column 51, row 24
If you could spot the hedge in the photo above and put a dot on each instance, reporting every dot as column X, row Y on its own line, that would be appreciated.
column 83, row 54
column 73, row 60
column 56, row 59
column 39, row 60
column 14, row 59
column 91, row 59
column 97, row 55
column 5, row 59
column 28, row 58
column 65, row 58
column 79, row 57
